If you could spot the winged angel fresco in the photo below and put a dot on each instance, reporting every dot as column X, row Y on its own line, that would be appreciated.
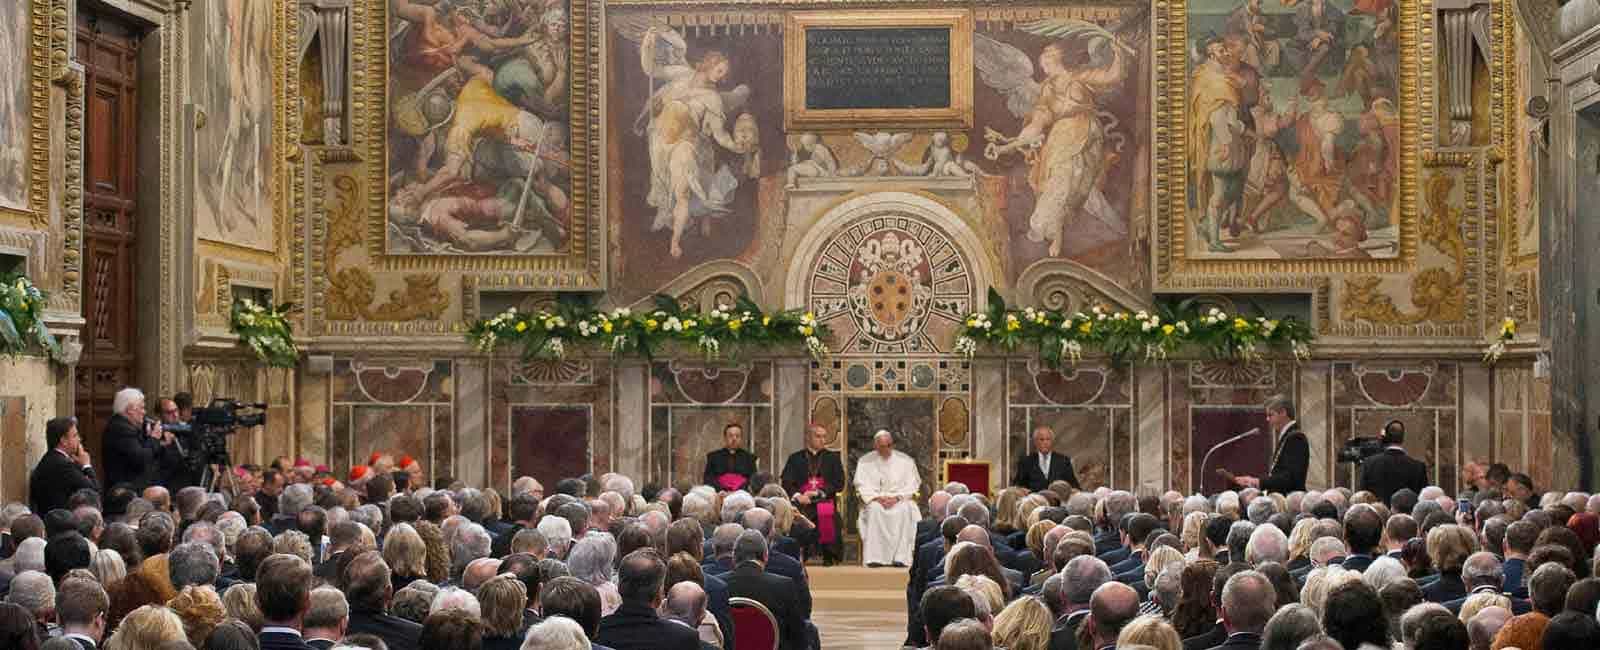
column 1065, row 135
column 687, row 120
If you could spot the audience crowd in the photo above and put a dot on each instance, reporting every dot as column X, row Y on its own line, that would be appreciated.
column 301, row 559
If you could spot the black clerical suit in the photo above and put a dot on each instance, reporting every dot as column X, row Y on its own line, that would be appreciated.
column 780, row 596
column 1035, row 478
column 132, row 457
column 55, row 478
column 824, row 464
column 1290, row 461
column 1386, row 472
column 728, row 461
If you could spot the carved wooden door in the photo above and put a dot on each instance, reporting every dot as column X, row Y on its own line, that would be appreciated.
column 108, row 49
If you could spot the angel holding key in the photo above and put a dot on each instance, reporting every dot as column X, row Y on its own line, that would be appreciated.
column 1064, row 135
column 687, row 121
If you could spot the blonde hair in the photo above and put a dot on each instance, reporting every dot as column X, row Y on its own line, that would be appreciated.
column 240, row 600
column 1150, row 630
column 1024, row 625
column 404, row 551
column 1321, row 582
column 1028, row 510
column 1478, row 602
column 1300, row 538
column 107, row 566
column 1035, row 538
column 147, row 628
column 1449, row 545
column 1159, row 560
column 200, row 609
column 1005, row 508
column 1194, row 537
column 293, row 542
column 980, row 585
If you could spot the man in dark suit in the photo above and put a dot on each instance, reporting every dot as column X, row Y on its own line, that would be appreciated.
column 1218, row 634
column 1517, row 544
column 63, row 470
column 1043, row 466
column 81, row 608
column 927, row 557
column 137, row 453
column 1080, row 578
column 1247, row 603
column 1291, row 456
column 730, row 467
column 327, row 620
column 812, row 477
column 778, row 594
column 942, row 606
column 1483, row 573
column 635, row 625
column 1113, row 605
column 283, row 592
column 368, row 588
column 1363, row 529
column 686, row 604
column 1391, row 470
column 779, row 564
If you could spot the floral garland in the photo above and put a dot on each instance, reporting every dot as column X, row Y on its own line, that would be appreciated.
column 21, row 324
column 547, row 333
column 1508, row 331
column 265, row 330
column 1120, row 335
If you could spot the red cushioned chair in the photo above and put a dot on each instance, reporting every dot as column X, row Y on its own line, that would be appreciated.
column 975, row 473
column 755, row 628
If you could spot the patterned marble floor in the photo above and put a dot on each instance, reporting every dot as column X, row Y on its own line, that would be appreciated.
column 855, row 607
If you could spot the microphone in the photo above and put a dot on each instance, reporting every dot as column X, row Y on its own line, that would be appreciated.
column 1207, row 458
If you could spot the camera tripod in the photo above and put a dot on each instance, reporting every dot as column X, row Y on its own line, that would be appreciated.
column 217, row 474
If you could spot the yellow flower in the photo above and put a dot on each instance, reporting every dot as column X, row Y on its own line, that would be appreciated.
column 766, row 320
column 606, row 327
column 1086, row 326
column 522, row 327
column 1167, row 329
column 733, row 325
column 806, row 330
column 1508, row 327
column 688, row 323
column 650, row 324
column 1241, row 324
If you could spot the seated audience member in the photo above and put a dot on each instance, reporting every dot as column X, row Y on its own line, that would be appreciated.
column 636, row 625
column 451, row 628
column 780, row 595
column 942, row 606
column 965, row 634
column 327, row 620
column 1111, row 607
column 369, row 590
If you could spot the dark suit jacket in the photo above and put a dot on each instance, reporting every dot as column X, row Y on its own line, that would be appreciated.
column 1116, row 555
column 1106, row 541
column 1387, row 472
column 281, row 641
column 502, row 543
column 723, row 461
column 1029, row 476
column 1513, row 569
column 134, row 458
column 1519, row 606
column 717, row 603
column 635, row 626
column 1217, row 636
column 777, row 593
column 86, row 645
column 1356, row 562
column 927, row 531
column 1240, row 641
column 320, row 644
column 782, row 565
column 1064, row 636
column 396, row 632
column 1290, row 462
column 54, row 480
column 1447, row 588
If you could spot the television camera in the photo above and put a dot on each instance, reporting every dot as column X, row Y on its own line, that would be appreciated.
column 1358, row 449
column 205, row 444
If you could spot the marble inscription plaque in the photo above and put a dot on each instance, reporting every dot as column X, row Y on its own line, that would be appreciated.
column 900, row 67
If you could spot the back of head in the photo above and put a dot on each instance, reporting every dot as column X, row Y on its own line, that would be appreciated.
column 192, row 563
column 965, row 634
column 1572, row 630
column 1548, row 586
column 1441, row 631
column 640, row 576
column 1248, row 600
column 503, row 599
column 328, row 608
column 556, row 633
column 1485, row 624
column 1081, row 577
column 35, row 591
column 750, row 547
column 282, row 584
column 685, row 603
column 79, row 601
column 452, row 628
column 1289, row 626
column 1354, row 614
column 574, row 599
column 943, row 605
column 1111, row 607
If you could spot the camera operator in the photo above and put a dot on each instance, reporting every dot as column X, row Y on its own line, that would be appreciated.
column 139, row 453
column 1390, row 470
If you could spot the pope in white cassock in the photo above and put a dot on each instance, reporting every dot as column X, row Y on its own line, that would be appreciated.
column 887, row 482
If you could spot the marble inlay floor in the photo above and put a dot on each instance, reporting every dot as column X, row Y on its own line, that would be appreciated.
column 855, row 607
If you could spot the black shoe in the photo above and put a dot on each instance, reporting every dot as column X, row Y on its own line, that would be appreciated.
column 899, row 565
column 827, row 561
column 874, row 565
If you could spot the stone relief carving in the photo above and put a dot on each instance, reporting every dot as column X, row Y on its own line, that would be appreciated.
column 1464, row 24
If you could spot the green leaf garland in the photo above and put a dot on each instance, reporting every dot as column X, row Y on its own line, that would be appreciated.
column 265, row 329
column 21, row 322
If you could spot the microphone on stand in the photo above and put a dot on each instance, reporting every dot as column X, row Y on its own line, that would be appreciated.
column 1207, row 458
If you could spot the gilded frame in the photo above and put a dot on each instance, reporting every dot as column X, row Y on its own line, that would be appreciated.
column 1174, row 269
column 582, row 267
column 796, row 117
column 36, row 213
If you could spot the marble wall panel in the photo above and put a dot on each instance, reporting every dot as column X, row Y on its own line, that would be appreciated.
column 1425, row 395
column 913, row 422
column 587, row 384
column 1090, row 408
column 550, row 443
column 681, row 436
column 401, row 406
column 13, row 436
column 401, row 429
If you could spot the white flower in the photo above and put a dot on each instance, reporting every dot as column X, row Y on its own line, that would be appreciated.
column 486, row 342
column 1072, row 350
column 710, row 346
column 555, row 348
column 1301, row 350
column 1154, row 352
column 1142, row 315
column 815, row 346
column 618, row 342
column 673, row 325
column 966, row 346
column 1183, row 326
column 1494, row 352
column 621, row 313
column 586, row 329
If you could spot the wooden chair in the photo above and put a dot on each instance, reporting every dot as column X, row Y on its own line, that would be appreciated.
column 756, row 627
column 976, row 473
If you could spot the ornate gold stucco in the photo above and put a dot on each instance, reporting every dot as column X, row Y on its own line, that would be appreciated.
column 1439, row 293
column 352, row 289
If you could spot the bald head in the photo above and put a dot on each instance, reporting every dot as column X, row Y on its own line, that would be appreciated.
column 759, row 520
column 1485, row 624
column 1111, row 607
column 975, row 534
column 478, row 572
column 686, row 603
column 1482, row 569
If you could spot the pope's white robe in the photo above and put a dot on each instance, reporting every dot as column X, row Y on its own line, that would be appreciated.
column 887, row 534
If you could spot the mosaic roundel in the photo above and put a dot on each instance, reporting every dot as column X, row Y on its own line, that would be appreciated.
column 890, row 283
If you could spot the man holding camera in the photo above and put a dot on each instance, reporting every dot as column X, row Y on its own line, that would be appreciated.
column 139, row 453
column 1387, row 471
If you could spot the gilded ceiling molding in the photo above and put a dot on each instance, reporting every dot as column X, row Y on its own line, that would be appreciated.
column 36, row 211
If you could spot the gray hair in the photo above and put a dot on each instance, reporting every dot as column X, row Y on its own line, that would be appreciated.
column 328, row 607
column 1324, row 549
column 1249, row 599
column 231, row 524
column 11, row 512
column 1411, row 621
column 525, row 485
column 1081, row 576
column 556, row 633
column 1482, row 568
column 956, row 487
column 1195, row 503
column 724, row 538
column 1260, row 510
column 593, row 559
column 125, row 399
column 696, row 506
column 735, row 504
column 1267, row 544
column 1280, row 403
column 471, row 542
column 107, row 566
column 557, row 531
column 455, row 598
column 369, row 515
column 34, row 591
column 1239, row 534
column 1383, row 571
column 759, row 520
column 751, row 545
column 1080, row 504
column 294, row 499
column 192, row 563
column 1292, row 624
column 29, row 555
column 882, row 433
column 622, row 485
column 205, row 532
column 1168, row 587
column 1119, row 503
